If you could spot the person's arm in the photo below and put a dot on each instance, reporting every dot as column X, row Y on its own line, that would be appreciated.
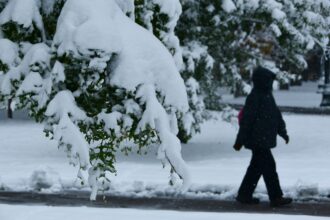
column 281, row 130
column 249, row 116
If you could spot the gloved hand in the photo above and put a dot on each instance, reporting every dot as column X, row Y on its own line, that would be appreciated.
column 238, row 147
column 287, row 139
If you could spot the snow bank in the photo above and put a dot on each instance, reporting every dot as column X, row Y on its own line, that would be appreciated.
column 45, row 179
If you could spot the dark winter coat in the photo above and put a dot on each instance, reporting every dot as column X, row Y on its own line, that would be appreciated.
column 262, row 120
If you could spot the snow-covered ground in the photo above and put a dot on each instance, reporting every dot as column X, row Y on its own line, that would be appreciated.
column 30, row 161
column 298, row 96
column 54, row 213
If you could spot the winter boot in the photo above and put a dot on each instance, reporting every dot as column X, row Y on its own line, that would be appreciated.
column 280, row 202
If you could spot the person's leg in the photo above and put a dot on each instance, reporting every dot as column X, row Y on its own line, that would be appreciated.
column 270, row 176
column 251, row 177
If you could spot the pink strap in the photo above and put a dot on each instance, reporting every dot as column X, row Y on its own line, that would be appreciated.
column 240, row 116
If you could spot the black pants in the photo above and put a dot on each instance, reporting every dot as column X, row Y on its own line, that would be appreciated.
column 262, row 164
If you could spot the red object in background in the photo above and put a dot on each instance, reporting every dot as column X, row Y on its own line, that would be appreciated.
column 240, row 116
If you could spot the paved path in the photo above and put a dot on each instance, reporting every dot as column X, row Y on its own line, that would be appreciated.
column 181, row 204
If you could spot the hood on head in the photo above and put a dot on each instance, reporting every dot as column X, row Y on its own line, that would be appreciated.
column 263, row 79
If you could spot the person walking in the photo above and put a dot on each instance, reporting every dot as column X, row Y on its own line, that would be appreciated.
column 261, row 122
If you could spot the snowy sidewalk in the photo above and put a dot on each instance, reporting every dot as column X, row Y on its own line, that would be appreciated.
column 79, row 199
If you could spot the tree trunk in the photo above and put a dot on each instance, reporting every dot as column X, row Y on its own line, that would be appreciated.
column 9, row 111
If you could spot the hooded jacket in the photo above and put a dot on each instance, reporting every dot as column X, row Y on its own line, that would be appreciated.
column 262, row 120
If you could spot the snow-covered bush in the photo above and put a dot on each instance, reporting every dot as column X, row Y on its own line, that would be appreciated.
column 22, row 25
column 50, row 11
column 198, row 65
column 8, row 61
column 239, row 34
column 21, row 20
column 98, row 81
column 161, row 17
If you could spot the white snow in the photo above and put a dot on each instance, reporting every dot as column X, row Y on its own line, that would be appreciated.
column 228, row 6
column 313, row 18
column 32, row 83
column 47, row 6
column 141, row 56
column 58, row 72
column 276, row 30
column 64, row 104
column 111, row 121
column 305, row 96
column 303, row 165
column 8, row 52
column 278, row 14
column 141, row 65
column 252, row 4
column 23, row 12
column 271, row 4
column 127, row 6
column 68, row 133
column 45, row 178
column 11, row 212
column 12, row 74
column 172, row 9
column 170, row 146
column 194, row 52
column 36, row 57
column 34, row 65
column 63, row 109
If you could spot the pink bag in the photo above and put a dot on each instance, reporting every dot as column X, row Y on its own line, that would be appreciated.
column 240, row 116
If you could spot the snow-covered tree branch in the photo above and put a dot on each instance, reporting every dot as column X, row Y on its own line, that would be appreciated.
column 98, row 81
